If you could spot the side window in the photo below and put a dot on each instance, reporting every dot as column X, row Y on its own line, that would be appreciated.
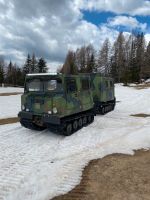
column 71, row 85
column 111, row 83
column 85, row 84
column 100, row 86
column 92, row 86
column 51, row 85
column 103, row 86
column 107, row 84
column 34, row 85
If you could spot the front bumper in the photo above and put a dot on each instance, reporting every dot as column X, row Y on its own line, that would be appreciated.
column 45, row 118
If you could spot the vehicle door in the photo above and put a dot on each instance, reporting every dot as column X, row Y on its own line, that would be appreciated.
column 73, row 102
column 85, row 94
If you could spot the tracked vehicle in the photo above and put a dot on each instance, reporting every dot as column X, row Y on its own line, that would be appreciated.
column 61, row 103
column 103, row 93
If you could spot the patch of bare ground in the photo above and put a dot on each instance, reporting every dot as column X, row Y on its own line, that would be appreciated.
column 141, row 86
column 115, row 177
column 9, row 120
column 140, row 115
column 11, row 93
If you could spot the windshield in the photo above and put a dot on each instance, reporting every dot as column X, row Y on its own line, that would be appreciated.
column 35, row 85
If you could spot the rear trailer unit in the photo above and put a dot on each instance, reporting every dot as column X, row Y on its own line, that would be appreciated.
column 103, row 91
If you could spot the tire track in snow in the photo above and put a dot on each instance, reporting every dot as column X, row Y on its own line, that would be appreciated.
column 21, row 149
column 50, row 159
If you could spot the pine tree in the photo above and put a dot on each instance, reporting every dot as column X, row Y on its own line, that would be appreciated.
column 140, row 55
column 9, row 74
column 14, row 74
column 85, row 59
column 2, row 73
column 132, row 59
column 27, row 65
column 118, row 58
column 104, row 58
column 41, row 66
column 34, row 68
column 81, row 59
column 91, row 64
column 136, row 62
column 19, row 77
column 146, row 70
column 89, row 59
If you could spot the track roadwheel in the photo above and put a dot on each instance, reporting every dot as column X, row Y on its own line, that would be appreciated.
column 89, row 119
column 84, row 120
column 92, row 116
column 75, row 125
column 110, row 108
column 68, row 129
column 80, row 123
column 102, row 110
column 106, row 109
column 113, row 106
column 28, row 124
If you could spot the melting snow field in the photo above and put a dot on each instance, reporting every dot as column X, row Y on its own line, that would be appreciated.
column 10, row 105
column 41, row 165
column 10, row 89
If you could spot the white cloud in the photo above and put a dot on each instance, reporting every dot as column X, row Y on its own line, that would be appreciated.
column 126, row 21
column 147, row 38
column 50, row 27
column 132, row 7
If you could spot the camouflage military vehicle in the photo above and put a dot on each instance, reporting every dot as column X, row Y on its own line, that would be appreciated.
column 59, row 102
column 103, row 93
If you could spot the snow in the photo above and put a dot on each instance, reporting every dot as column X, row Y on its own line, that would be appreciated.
column 132, row 101
column 41, row 165
column 43, row 74
column 10, row 89
column 147, row 81
column 10, row 106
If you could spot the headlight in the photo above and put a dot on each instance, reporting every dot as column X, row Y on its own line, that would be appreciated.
column 50, row 112
column 54, row 110
column 27, row 109
column 23, row 107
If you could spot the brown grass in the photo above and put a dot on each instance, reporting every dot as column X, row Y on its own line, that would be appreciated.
column 141, row 86
column 9, row 120
column 11, row 93
column 115, row 177
column 141, row 115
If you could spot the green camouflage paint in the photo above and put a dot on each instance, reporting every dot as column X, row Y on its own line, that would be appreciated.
column 102, row 88
column 66, row 103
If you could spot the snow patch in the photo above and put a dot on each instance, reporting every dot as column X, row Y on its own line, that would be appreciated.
column 42, row 165
column 10, row 89
column 147, row 81
column 10, row 106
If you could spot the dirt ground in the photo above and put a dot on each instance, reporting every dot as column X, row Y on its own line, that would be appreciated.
column 141, row 86
column 115, row 177
column 9, row 120
column 141, row 115
column 9, row 94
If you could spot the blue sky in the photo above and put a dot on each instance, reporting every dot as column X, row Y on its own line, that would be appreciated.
column 100, row 18
column 96, row 17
